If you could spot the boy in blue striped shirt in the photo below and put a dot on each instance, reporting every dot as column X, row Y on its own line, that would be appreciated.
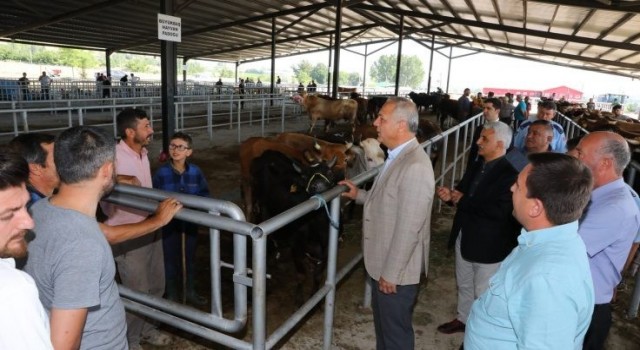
column 178, row 175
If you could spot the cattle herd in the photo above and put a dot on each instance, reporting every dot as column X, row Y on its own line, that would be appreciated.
column 597, row 120
column 282, row 171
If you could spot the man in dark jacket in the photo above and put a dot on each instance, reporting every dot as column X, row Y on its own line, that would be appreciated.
column 484, row 231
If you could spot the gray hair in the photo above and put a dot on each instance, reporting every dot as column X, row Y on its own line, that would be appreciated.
column 620, row 152
column 405, row 109
column 502, row 130
column 80, row 151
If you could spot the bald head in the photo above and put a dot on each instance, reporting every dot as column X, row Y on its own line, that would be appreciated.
column 606, row 154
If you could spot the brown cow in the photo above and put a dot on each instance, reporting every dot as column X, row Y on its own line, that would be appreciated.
column 330, row 111
column 363, row 105
column 320, row 149
column 253, row 148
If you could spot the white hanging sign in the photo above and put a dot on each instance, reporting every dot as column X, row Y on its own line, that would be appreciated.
column 169, row 28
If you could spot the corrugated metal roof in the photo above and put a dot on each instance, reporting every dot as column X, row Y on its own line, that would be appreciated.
column 596, row 35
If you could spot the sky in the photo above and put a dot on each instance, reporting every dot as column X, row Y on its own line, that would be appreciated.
column 477, row 71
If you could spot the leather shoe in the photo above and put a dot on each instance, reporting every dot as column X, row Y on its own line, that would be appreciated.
column 454, row 326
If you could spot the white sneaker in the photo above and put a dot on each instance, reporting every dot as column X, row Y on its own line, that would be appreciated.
column 157, row 338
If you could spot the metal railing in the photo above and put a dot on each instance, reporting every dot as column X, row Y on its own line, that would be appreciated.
column 573, row 130
column 192, row 112
column 634, row 304
column 213, row 325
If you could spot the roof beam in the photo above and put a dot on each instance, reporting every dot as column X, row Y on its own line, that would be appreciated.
column 505, row 28
column 540, row 51
column 153, row 38
column 597, row 5
column 298, row 20
column 615, row 26
column 180, row 7
column 281, row 41
column 559, row 64
column 475, row 14
column 19, row 3
column 580, row 25
column 311, row 51
column 60, row 18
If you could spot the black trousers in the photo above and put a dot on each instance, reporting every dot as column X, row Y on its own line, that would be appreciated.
column 599, row 327
column 392, row 316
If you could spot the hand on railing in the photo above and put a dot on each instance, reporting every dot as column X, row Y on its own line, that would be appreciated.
column 166, row 210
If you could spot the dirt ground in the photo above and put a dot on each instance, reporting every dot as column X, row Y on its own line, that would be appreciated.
column 353, row 325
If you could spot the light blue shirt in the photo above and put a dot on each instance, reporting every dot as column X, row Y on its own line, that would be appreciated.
column 636, row 198
column 608, row 226
column 558, row 144
column 392, row 154
column 541, row 297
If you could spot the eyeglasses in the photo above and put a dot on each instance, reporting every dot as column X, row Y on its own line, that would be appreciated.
column 178, row 147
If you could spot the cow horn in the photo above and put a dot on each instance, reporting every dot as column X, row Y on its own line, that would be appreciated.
column 297, row 167
column 316, row 145
column 332, row 162
column 308, row 157
column 348, row 145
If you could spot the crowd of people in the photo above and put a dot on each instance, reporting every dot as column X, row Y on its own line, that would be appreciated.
column 26, row 93
column 545, row 276
column 540, row 236
column 70, row 267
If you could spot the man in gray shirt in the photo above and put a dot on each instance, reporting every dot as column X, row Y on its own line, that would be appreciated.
column 70, row 259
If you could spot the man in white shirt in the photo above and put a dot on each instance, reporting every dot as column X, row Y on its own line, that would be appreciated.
column 45, row 83
column 23, row 322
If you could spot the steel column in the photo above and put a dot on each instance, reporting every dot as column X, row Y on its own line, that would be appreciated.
column 329, row 65
column 336, row 49
column 107, row 62
column 399, row 58
column 433, row 43
column 364, row 72
column 449, row 68
column 273, row 57
column 168, row 54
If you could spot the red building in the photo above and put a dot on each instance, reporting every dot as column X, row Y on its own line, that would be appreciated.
column 502, row 92
column 568, row 93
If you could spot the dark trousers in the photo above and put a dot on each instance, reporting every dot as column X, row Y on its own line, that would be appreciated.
column 392, row 316
column 172, row 248
column 599, row 327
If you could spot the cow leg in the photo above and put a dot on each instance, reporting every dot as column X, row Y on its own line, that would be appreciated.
column 298, row 253
column 247, row 196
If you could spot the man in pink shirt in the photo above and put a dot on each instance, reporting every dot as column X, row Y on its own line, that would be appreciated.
column 140, row 260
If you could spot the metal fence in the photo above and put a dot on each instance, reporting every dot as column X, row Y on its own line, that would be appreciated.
column 213, row 326
column 192, row 112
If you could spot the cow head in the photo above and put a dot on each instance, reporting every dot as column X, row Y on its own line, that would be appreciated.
column 317, row 177
column 374, row 155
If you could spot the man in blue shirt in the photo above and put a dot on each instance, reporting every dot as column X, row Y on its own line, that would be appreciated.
column 546, row 111
column 464, row 105
column 542, row 295
column 37, row 150
column 609, row 224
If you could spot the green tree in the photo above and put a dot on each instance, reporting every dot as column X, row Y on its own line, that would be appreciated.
column 139, row 64
column 224, row 72
column 78, row 59
column 411, row 70
column 302, row 71
column 349, row 78
column 47, row 57
column 194, row 68
column 319, row 73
